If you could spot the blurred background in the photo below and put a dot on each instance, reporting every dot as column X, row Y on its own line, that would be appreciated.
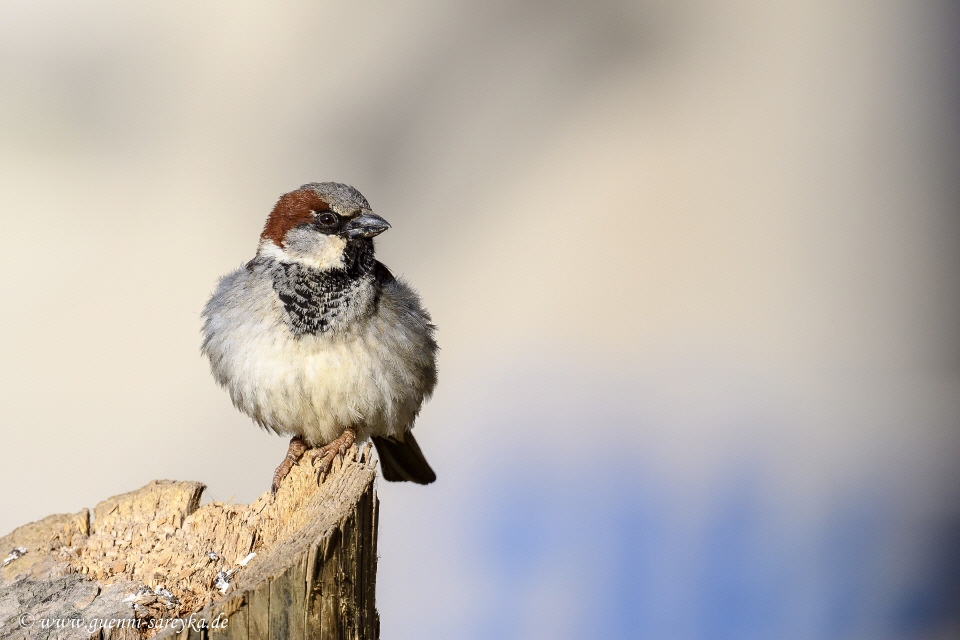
column 695, row 266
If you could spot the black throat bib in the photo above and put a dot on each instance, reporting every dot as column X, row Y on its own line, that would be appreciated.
column 314, row 298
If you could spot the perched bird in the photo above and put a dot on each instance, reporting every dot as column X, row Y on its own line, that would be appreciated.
column 316, row 339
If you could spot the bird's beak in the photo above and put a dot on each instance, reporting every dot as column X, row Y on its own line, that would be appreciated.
column 366, row 226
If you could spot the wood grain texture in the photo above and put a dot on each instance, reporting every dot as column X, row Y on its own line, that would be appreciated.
column 313, row 576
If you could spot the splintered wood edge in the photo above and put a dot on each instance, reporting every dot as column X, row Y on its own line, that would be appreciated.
column 317, row 577
column 319, row 581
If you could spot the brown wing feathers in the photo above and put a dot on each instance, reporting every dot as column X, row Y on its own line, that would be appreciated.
column 401, row 459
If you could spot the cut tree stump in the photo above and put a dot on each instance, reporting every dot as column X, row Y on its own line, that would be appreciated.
column 153, row 563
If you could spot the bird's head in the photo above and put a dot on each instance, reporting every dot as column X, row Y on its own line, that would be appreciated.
column 318, row 223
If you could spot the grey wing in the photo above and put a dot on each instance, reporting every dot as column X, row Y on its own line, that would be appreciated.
column 402, row 303
column 401, row 459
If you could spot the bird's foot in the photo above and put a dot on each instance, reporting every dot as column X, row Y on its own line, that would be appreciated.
column 294, row 453
column 326, row 454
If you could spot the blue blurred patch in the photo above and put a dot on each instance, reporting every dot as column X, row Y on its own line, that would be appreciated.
column 743, row 574
column 933, row 597
column 850, row 557
column 619, row 553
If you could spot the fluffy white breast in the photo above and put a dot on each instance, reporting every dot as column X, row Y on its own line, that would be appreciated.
column 372, row 377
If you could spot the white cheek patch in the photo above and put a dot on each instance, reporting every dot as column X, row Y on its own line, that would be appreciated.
column 326, row 253
column 330, row 254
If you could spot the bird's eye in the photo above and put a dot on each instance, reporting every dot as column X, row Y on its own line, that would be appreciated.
column 327, row 219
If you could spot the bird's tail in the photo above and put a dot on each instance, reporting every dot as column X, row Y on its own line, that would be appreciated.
column 402, row 460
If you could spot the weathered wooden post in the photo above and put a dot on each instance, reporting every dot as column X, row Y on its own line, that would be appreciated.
column 154, row 563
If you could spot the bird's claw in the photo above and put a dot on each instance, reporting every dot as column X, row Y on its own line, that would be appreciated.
column 294, row 452
column 325, row 455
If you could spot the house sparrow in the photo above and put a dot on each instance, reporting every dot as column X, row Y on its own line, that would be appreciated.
column 316, row 339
